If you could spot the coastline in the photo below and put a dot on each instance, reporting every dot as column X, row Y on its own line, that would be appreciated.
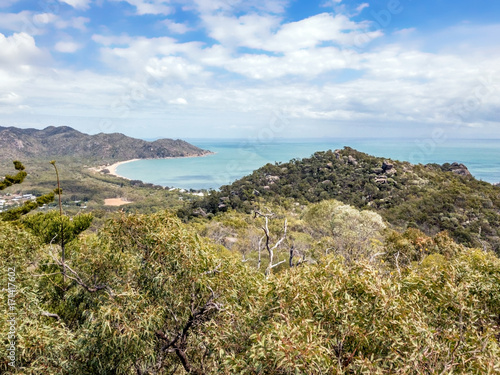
column 112, row 167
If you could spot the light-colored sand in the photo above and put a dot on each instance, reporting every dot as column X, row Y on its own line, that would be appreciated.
column 112, row 168
column 116, row 202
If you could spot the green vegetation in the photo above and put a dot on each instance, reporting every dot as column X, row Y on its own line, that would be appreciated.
column 430, row 197
column 18, row 178
column 297, row 276
column 147, row 295
column 16, row 213
column 86, row 190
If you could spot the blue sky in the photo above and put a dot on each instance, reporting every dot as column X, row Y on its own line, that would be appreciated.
column 258, row 69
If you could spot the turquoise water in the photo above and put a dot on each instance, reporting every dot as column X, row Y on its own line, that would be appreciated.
column 237, row 158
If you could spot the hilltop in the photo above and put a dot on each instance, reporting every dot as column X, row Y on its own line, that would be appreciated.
column 57, row 142
column 429, row 197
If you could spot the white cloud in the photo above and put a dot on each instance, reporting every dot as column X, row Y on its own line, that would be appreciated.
column 393, row 83
column 305, row 63
column 78, row 4
column 107, row 40
column 360, row 7
column 44, row 18
column 158, row 56
column 266, row 33
column 323, row 27
column 177, row 28
column 9, row 98
column 206, row 7
column 247, row 31
column 37, row 23
column 151, row 6
column 7, row 3
column 78, row 23
column 20, row 22
column 18, row 51
column 67, row 47
column 320, row 68
column 173, row 68
column 405, row 32
column 180, row 101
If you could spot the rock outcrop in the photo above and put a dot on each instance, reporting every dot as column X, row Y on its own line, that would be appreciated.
column 460, row 169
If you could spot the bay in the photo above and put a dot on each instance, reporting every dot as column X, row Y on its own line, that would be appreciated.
column 235, row 158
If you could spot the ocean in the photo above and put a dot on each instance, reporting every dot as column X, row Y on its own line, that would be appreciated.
column 235, row 158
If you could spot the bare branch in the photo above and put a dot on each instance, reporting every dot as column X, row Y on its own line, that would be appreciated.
column 267, row 236
column 260, row 252
column 50, row 315
column 76, row 277
column 277, row 264
column 372, row 258
column 397, row 263
column 215, row 270
column 178, row 344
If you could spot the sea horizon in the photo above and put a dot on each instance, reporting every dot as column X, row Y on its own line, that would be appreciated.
column 237, row 157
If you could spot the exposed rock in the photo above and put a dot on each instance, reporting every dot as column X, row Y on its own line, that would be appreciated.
column 272, row 179
column 381, row 179
column 352, row 160
column 200, row 212
column 460, row 169
column 229, row 242
column 327, row 182
column 337, row 154
column 387, row 166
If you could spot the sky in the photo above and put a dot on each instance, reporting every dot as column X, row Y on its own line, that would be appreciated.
column 257, row 69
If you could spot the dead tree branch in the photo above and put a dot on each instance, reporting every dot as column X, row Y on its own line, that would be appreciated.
column 270, row 250
column 50, row 315
column 178, row 344
column 76, row 278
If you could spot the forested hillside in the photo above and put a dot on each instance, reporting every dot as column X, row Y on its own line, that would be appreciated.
column 430, row 197
column 272, row 284
column 58, row 142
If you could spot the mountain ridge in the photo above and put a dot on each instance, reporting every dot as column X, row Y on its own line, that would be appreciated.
column 64, row 141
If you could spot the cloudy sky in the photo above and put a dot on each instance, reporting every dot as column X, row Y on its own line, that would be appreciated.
column 234, row 68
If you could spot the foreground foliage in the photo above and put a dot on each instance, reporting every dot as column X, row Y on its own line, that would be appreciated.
column 16, row 213
column 146, row 295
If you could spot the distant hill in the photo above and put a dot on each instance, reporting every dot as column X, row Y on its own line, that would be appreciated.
column 430, row 197
column 53, row 142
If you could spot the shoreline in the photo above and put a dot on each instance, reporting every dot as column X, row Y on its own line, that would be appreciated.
column 112, row 167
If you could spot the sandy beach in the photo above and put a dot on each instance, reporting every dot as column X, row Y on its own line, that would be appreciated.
column 112, row 168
